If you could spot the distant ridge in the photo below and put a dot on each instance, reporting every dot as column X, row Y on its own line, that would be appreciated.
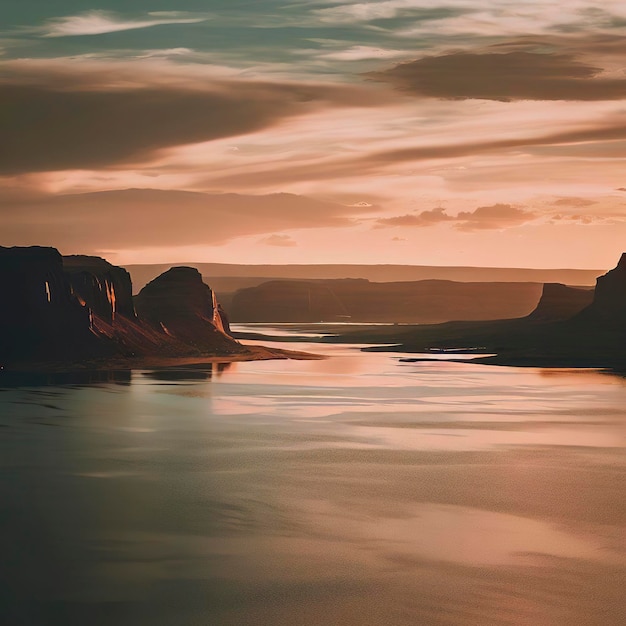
column 561, row 332
column 143, row 274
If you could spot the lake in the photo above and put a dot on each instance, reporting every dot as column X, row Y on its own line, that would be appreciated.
column 356, row 490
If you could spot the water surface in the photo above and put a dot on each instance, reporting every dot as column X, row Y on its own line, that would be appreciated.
column 353, row 490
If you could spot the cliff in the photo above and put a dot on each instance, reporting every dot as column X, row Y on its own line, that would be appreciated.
column 179, row 304
column 40, row 319
column 358, row 300
column 560, row 302
column 80, row 309
column 609, row 301
column 105, row 288
column 594, row 337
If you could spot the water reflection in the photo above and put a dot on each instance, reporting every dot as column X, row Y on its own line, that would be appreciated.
column 357, row 490
column 188, row 373
column 78, row 377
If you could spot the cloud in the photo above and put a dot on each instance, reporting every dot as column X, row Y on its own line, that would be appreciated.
column 95, row 114
column 382, row 10
column 281, row 241
column 491, row 217
column 100, row 22
column 56, row 130
column 517, row 75
column 140, row 218
column 495, row 216
column 425, row 218
column 361, row 53
column 588, row 219
column 573, row 202
column 609, row 128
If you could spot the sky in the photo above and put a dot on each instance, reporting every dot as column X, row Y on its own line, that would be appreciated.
column 422, row 132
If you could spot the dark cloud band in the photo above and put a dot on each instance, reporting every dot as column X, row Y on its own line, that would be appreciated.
column 517, row 75
column 139, row 218
column 53, row 123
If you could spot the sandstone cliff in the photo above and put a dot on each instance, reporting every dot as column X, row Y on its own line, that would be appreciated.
column 105, row 288
column 80, row 309
column 181, row 305
column 40, row 318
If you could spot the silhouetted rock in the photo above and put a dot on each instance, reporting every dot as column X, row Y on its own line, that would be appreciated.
column 39, row 318
column 594, row 337
column 609, row 301
column 80, row 309
column 560, row 302
column 358, row 300
column 182, row 306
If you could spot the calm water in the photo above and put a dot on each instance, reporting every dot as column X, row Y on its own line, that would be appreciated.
column 355, row 490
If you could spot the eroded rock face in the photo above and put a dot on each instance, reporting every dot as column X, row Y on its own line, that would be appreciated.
column 180, row 304
column 560, row 302
column 39, row 316
column 77, row 309
column 609, row 302
column 105, row 288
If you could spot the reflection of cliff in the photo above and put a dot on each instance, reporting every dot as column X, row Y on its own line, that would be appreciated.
column 80, row 308
column 358, row 300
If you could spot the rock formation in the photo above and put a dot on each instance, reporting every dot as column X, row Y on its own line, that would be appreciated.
column 182, row 306
column 560, row 302
column 40, row 319
column 359, row 300
column 594, row 337
column 106, row 289
column 80, row 309
column 609, row 301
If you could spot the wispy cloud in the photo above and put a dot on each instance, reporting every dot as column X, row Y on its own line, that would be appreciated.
column 101, row 22
column 492, row 217
column 425, row 218
column 361, row 53
column 140, row 218
column 496, row 216
column 572, row 201
column 281, row 241
column 383, row 10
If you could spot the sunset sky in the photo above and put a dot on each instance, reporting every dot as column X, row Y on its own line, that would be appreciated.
column 427, row 132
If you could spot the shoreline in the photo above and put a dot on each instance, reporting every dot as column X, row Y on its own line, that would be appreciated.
column 617, row 366
column 253, row 353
